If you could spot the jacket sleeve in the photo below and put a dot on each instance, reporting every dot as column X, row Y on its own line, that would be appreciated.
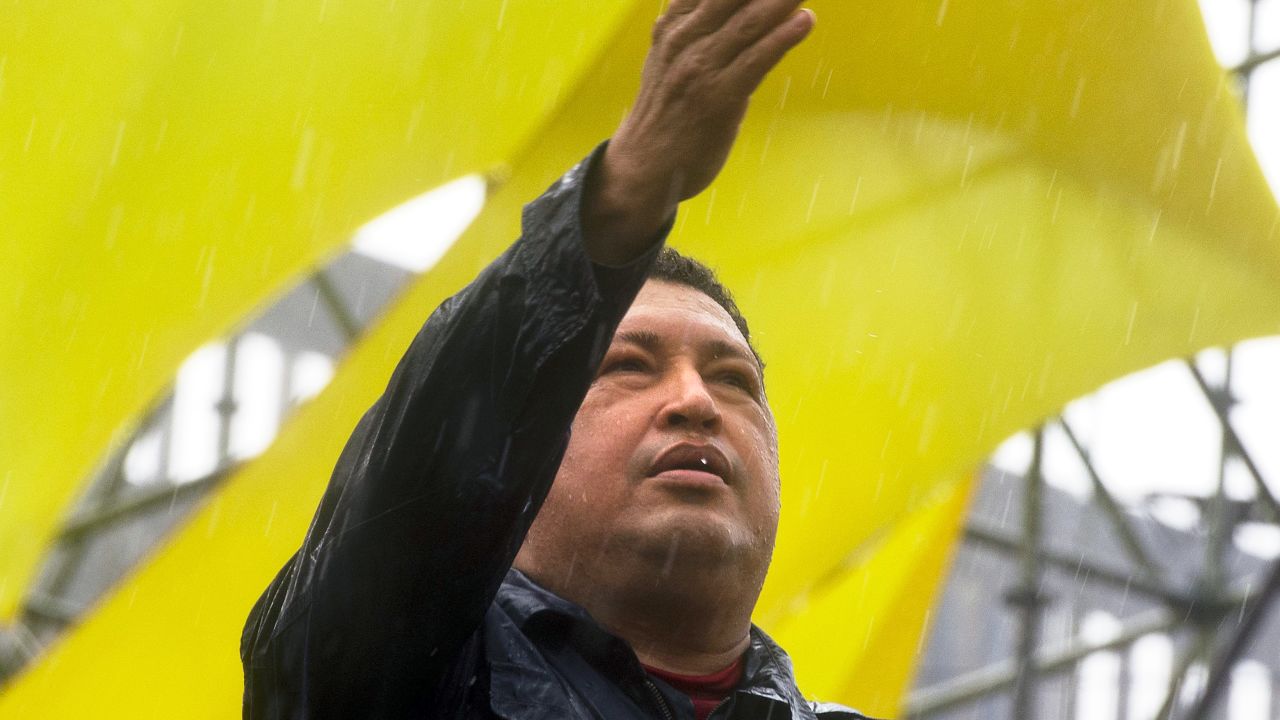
column 438, row 484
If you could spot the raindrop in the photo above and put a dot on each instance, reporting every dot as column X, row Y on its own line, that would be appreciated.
column 115, row 148
column 857, row 189
column 1213, row 186
column 271, row 519
column 1075, row 100
column 306, row 146
column 31, row 131
column 813, row 200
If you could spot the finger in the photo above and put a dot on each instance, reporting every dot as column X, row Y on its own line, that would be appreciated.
column 753, row 64
column 747, row 27
column 692, row 19
column 681, row 7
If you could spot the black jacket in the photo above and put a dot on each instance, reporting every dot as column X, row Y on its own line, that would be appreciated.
column 401, row 602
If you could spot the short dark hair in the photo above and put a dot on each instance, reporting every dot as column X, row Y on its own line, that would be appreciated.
column 679, row 269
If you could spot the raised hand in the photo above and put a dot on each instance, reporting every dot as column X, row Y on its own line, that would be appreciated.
column 707, row 58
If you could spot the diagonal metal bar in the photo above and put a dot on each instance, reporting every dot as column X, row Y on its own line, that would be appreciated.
column 1219, row 671
column 1264, row 493
column 338, row 310
column 64, row 564
column 18, row 646
column 1137, row 552
column 88, row 523
column 51, row 608
column 1176, row 678
column 1117, row 578
column 1253, row 61
column 1002, row 675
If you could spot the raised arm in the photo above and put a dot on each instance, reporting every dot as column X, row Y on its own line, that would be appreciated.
column 437, row 485
column 439, row 482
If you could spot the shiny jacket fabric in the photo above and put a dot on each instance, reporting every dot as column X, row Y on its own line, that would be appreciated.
column 401, row 602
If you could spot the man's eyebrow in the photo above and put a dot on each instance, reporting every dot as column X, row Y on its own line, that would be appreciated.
column 652, row 342
column 720, row 348
column 646, row 339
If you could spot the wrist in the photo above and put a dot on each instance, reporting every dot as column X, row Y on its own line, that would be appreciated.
column 623, row 209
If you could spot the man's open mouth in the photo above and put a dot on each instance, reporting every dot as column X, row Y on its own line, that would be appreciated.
column 692, row 460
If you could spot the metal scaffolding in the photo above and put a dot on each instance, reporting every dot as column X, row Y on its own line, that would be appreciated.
column 1218, row 614
column 117, row 523
column 1215, row 617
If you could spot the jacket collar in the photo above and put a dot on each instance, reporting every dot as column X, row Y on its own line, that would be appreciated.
column 523, row 600
column 768, row 674
column 768, row 679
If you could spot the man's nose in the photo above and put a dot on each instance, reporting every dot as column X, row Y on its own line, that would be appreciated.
column 690, row 406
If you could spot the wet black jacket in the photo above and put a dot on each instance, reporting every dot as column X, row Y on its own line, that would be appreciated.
column 401, row 602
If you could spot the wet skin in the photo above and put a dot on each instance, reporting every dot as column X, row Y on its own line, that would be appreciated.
column 665, row 508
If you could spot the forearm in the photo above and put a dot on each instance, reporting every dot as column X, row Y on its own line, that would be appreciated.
column 622, row 209
column 441, row 479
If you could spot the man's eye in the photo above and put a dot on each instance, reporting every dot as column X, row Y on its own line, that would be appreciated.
column 738, row 380
column 626, row 365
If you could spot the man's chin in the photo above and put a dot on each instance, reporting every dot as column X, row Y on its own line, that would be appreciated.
column 685, row 535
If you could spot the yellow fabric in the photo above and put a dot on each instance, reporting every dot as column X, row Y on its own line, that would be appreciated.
column 165, row 167
column 858, row 632
column 944, row 220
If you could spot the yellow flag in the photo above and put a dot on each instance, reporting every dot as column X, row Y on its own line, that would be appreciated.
column 165, row 168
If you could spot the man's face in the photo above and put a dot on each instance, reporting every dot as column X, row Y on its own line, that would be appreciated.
column 674, row 452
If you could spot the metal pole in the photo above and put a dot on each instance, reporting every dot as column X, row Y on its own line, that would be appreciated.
column 1252, row 59
column 1269, row 503
column 1027, row 596
column 1118, row 520
column 1222, row 664
column 1220, row 523
column 227, row 405
column 1197, row 649
column 338, row 310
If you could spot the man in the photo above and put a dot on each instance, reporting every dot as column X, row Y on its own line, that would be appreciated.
column 472, row 557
